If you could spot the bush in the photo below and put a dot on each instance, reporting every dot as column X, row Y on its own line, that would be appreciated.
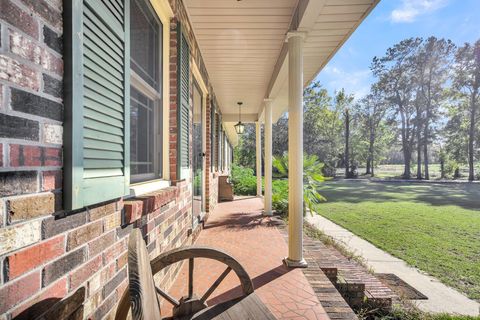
column 312, row 179
column 244, row 181
column 280, row 196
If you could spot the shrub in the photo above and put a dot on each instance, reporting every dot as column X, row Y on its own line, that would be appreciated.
column 312, row 178
column 244, row 181
column 280, row 196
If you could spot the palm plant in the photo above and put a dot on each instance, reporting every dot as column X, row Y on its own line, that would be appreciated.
column 312, row 178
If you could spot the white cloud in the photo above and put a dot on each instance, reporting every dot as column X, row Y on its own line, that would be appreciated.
column 356, row 82
column 411, row 9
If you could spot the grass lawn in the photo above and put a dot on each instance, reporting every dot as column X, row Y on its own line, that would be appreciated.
column 435, row 227
column 396, row 170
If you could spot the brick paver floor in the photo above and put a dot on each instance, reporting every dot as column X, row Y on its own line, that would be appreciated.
column 239, row 229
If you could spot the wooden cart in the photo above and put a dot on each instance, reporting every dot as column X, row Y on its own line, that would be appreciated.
column 141, row 301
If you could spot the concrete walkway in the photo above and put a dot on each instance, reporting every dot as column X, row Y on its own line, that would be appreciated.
column 440, row 297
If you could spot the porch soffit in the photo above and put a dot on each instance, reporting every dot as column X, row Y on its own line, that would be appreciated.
column 243, row 45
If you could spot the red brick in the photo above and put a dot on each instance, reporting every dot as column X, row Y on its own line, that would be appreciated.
column 133, row 210
column 34, row 156
column 83, row 235
column 42, row 302
column 18, row 291
column 30, row 50
column 53, row 157
column 44, row 10
column 51, row 180
column 101, row 211
column 98, row 245
column 18, row 18
column 29, row 207
column 34, row 256
column 84, row 272
column 17, row 73
column 113, row 252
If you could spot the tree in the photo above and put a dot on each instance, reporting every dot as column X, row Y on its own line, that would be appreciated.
column 432, row 62
column 466, row 83
column 372, row 111
column 343, row 102
column 395, row 72
column 245, row 152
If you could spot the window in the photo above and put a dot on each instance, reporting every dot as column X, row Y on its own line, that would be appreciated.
column 146, row 92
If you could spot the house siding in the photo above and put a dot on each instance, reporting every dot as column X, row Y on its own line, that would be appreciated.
column 47, row 253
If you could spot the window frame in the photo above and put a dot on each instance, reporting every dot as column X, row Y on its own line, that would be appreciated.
column 158, row 97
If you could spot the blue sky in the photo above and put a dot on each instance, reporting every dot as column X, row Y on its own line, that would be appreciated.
column 390, row 22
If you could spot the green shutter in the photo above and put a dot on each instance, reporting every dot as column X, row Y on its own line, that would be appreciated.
column 212, row 135
column 97, row 101
column 183, row 115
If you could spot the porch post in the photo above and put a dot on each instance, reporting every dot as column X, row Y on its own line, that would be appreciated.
column 268, row 158
column 295, row 150
column 258, row 128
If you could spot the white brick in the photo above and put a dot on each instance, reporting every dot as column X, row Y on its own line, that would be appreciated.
column 16, row 237
column 53, row 133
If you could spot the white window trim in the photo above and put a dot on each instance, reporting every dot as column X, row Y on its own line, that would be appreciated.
column 142, row 188
column 165, row 13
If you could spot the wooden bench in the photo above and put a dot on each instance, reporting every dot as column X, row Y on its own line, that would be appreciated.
column 141, row 299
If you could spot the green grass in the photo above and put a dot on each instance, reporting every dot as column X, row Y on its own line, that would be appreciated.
column 396, row 170
column 435, row 227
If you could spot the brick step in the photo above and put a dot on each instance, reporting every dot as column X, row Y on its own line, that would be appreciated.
column 359, row 288
column 328, row 296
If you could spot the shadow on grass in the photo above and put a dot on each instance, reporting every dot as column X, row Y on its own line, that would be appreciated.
column 464, row 195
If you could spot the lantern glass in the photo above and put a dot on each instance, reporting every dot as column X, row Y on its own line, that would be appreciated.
column 239, row 127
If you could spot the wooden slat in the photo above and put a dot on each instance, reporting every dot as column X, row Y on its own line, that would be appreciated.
column 116, row 12
column 102, row 126
column 100, row 173
column 101, row 119
column 102, row 145
column 102, row 163
column 94, row 61
column 91, row 43
column 110, row 22
column 102, row 136
column 110, row 110
column 93, row 95
column 97, row 28
column 102, row 90
column 102, row 154
column 100, row 78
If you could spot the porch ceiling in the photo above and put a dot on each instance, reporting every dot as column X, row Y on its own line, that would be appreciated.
column 240, row 42
column 243, row 45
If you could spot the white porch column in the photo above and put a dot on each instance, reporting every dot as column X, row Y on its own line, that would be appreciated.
column 258, row 127
column 295, row 150
column 268, row 158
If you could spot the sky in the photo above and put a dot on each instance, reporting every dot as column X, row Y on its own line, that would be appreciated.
column 390, row 22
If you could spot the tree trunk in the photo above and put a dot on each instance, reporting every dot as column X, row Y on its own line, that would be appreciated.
column 471, row 137
column 442, row 168
column 373, row 167
column 407, row 154
column 347, row 141
column 370, row 153
column 425, row 149
column 419, row 154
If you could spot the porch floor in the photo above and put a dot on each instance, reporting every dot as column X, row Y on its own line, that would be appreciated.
column 239, row 229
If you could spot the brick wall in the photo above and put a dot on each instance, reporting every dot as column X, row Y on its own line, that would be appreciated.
column 47, row 254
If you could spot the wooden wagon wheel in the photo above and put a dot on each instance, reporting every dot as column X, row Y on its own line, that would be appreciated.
column 141, row 296
column 192, row 303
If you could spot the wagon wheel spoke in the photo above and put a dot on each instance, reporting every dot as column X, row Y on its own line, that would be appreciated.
column 190, row 278
column 167, row 297
column 215, row 284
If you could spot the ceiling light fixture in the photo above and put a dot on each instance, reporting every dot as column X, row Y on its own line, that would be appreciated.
column 240, row 127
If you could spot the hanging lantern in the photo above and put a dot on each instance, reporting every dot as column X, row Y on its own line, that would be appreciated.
column 239, row 127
